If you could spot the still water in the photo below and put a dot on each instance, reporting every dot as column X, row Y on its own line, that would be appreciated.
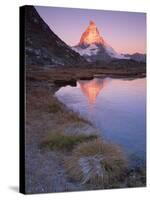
column 117, row 107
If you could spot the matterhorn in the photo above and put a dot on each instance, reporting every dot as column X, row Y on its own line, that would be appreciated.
column 93, row 46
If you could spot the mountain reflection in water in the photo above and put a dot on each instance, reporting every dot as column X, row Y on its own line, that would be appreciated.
column 91, row 89
column 118, row 109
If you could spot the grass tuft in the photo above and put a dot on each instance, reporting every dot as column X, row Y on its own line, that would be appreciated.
column 96, row 162
column 61, row 141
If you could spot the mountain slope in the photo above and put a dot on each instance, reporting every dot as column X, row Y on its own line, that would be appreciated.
column 93, row 46
column 137, row 57
column 91, row 35
column 43, row 46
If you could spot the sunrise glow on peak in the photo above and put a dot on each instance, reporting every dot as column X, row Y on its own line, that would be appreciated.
column 91, row 35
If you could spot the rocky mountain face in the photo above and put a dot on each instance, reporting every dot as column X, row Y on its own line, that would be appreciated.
column 137, row 57
column 43, row 46
column 94, row 48
column 91, row 35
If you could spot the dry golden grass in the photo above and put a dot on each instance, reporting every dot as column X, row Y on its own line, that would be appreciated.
column 57, row 140
column 40, row 98
column 96, row 162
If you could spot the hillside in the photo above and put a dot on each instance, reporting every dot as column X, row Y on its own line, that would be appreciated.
column 43, row 46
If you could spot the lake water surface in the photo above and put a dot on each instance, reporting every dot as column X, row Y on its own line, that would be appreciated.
column 117, row 107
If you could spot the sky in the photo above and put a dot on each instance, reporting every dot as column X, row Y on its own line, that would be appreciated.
column 124, row 31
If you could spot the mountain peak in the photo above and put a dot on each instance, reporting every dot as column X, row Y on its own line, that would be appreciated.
column 93, row 47
column 92, row 23
column 91, row 35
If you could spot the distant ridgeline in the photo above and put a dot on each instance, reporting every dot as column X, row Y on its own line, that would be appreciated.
column 93, row 47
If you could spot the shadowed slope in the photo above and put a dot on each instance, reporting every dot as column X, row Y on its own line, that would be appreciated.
column 43, row 46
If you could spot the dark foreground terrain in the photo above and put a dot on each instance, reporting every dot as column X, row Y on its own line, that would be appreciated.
column 63, row 151
column 66, row 74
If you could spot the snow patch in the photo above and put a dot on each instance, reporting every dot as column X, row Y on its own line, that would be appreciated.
column 112, row 53
column 89, row 51
column 93, row 49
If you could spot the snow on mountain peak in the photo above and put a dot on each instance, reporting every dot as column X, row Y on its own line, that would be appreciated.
column 93, row 47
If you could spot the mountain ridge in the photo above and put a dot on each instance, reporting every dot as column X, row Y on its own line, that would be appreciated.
column 93, row 47
column 43, row 46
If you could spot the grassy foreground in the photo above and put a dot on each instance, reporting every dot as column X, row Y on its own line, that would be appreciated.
column 61, row 141
column 97, row 162
column 65, row 145
column 90, row 160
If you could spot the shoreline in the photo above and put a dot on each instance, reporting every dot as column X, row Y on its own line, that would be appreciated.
column 71, row 74
column 43, row 116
